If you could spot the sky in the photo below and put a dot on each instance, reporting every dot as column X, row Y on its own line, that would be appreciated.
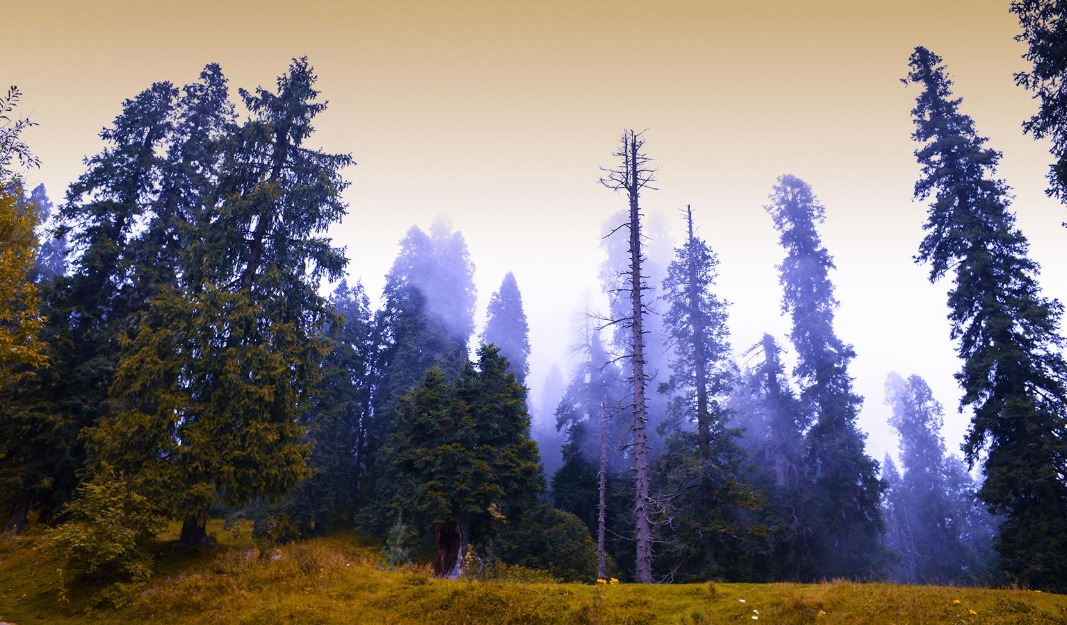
column 497, row 116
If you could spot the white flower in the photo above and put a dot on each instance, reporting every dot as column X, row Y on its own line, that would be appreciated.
column 755, row 611
column 741, row 600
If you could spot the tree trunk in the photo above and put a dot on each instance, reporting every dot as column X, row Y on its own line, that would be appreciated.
column 643, row 527
column 194, row 533
column 450, row 548
column 18, row 517
column 602, row 504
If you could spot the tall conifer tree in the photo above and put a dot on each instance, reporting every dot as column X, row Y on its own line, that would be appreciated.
column 699, row 383
column 1013, row 374
column 845, row 479
column 212, row 387
column 506, row 327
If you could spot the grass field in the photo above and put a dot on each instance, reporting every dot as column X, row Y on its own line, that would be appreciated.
column 338, row 580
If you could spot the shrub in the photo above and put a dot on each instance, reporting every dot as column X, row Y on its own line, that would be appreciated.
column 107, row 529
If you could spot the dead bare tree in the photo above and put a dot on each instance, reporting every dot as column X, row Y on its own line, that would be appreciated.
column 632, row 176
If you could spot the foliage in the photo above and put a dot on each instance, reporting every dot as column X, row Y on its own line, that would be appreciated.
column 21, row 351
column 107, row 529
column 773, row 422
column 549, row 540
column 426, row 321
column 212, row 385
column 506, row 327
column 1043, row 32
column 943, row 532
column 20, row 322
column 462, row 457
column 846, row 487
column 88, row 308
column 398, row 543
column 702, row 487
column 1013, row 375
column 338, row 417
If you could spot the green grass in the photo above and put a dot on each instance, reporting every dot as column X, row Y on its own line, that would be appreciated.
column 339, row 580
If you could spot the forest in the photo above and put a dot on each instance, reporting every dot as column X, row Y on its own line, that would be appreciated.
column 183, row 343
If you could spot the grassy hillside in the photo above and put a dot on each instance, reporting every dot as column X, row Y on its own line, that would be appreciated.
column 337, row 580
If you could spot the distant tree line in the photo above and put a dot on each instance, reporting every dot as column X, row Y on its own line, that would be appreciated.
column 166, row 355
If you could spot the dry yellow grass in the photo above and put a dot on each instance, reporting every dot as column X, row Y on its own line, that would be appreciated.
column 337, row 580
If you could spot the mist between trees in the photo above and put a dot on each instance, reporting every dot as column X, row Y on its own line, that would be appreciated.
column 168, row 355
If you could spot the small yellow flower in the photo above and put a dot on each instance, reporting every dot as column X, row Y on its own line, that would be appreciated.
column 601, row 582
column 955, row 602
column 613, row 581
column 822, row 612
column 972, row 612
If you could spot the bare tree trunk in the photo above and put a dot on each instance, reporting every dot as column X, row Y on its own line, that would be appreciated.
column 643, row 568
column 632, row 176
column 602, row 504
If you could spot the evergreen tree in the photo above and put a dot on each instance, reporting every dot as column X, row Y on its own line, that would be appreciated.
column 426, row 321
column 51, row 255
column 933, row 498
column 901, row 566
column 699, row 384
column 589, row 483
column 338, row 416
column 1044, row 31
column 506, row 327
column 845, row 483
column 212, row 388
column 87, row 309
column 1008, row 333
column 773, row 422
column 463, row 458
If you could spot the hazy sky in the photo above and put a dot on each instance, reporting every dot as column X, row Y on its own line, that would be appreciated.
column 498, row 115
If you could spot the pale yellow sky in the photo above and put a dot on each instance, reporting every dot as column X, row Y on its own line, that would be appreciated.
column 498, row 115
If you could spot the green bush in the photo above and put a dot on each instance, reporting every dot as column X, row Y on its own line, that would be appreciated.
column 107, row 529
column 550, row 540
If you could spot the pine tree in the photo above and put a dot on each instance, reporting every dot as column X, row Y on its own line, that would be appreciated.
column 593, row 467
column 212, row 388
column 426, row 321
column 1008, row 333
column 87, row 309
column 846, row 483
column 773, row 421
column 506, row 327
column 1044, row 31
column 933, row 496
column 462, row 456
column 701, row 374
column 338, row 416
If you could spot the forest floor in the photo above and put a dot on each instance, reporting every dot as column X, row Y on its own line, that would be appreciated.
column 340, row 580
